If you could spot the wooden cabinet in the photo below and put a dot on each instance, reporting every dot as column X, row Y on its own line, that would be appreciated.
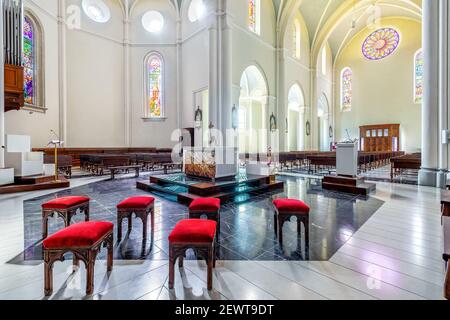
column 14, row 95
column 384, row 137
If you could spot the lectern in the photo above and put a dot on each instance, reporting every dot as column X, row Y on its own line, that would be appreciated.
column 56, row 144
column 346, row 178
column 347, row 159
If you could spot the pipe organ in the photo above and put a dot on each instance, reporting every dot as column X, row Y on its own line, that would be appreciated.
column 13, row 58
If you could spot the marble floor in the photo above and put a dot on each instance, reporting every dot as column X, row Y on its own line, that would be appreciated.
column 247, row 230
column 395, row 254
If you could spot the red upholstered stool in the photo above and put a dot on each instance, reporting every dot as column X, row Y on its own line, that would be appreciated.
column 285, row 209
column 66, row 208
column 206, row 206
column 141, row 207
column 84, row 240
column 192, row 234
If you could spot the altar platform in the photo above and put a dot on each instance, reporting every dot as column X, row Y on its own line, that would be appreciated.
column 184, row 189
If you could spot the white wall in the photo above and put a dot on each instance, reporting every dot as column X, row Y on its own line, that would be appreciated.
column 382, row 90
column 95, row 81
column 297, row 71
column 146, row 133
column 38, row 125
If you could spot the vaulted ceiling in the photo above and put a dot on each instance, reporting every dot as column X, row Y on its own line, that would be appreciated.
column 335, row 21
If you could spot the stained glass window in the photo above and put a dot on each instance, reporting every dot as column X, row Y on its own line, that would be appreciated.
column 381, row 44
column 418, row 77
column 297, row 39
column 346, row 89
column 253, row 15
column 154, row 86
column 29, row 62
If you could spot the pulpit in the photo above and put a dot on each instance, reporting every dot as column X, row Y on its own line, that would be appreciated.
column 347, row 159
column 346, row 178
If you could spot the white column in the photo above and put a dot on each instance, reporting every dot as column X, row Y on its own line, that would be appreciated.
column 2, row 95
column 281, row 101
column 430, row 108
column 301, row 130
column 127, row 75
column 62, row 71
column 179, row 73
column 443, row 93
column 213, row 65
column 226, row 72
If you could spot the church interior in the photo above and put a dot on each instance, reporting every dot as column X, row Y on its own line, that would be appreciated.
column 225, row 150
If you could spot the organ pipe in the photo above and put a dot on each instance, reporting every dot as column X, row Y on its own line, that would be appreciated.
column 13, row 31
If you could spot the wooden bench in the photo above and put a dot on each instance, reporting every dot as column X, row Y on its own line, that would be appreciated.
column 113, row 170
column 64, row 164
column 406, row 162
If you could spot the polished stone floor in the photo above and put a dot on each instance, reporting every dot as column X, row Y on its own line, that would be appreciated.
column 396, row 254
column 247, row 231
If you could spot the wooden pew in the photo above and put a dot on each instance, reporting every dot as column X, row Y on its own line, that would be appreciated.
column 64, row 163
column 405, row 162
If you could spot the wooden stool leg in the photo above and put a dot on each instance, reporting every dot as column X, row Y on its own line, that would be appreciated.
column 280, row 229
column 181, row 262
column 214, row 256
column 130, row 222
column 75, row 263
column 210, row 267
column 86, row 214
column 275, row 223
column 152, row 219
column 171, row 268
column 306, row 225
column 110, row 247
column 90, row 274
column 44, row 226
column 119, row 227
column 144, row 225
column 48, row 276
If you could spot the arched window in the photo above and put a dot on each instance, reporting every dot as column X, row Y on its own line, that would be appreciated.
column 346, row 89
column 418, row 77
column 253, row 15
column 32, row 63
column 296, row 37
column 154, row 84
column 324, row 61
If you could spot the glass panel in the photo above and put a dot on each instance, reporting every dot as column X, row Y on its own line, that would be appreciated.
column 368, row 133
column 252, row 15
column 418, row 77
column 386, row 132
column 28, row 61
column 380, row 132
column 154, row 69
column 346, row 87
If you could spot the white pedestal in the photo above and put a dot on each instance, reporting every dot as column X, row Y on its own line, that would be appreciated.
column 347, row 159
column 6, row 176
column 18, row 155
column 258, row 169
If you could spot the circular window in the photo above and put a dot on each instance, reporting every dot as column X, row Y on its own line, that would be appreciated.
column 96, row 10
column 196, row 10
column 153, row 21
column 381, row 44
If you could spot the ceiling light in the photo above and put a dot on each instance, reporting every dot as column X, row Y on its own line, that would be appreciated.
column 96, row 10
column 153, row 21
